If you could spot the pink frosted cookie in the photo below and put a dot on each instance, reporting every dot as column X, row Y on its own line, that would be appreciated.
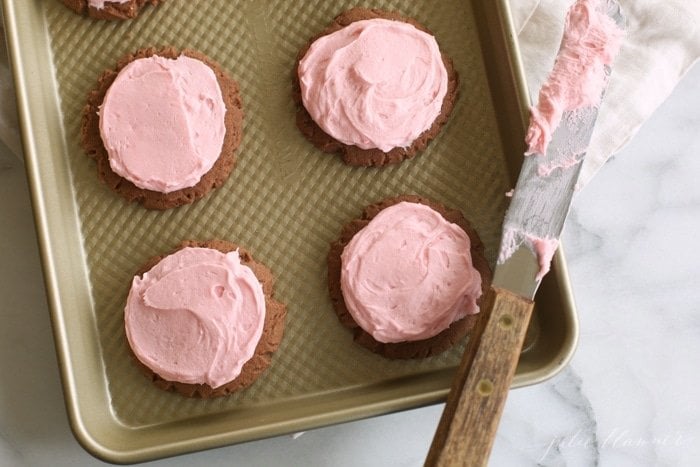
column 202, row 320
column 109, row 9
column 407, row 277
column 163, row 127
column 374, row 87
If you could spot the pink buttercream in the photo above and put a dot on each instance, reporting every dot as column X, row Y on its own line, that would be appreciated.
column 408, row 274
column 100, row 4
column 196, row 317
column 374, row 83
column 591, row 41
column 544, row 248
column 162, row 122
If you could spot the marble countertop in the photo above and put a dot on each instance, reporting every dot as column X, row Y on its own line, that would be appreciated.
column 628, row 398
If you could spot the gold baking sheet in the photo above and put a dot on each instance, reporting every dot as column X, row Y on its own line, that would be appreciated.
column 285, row 202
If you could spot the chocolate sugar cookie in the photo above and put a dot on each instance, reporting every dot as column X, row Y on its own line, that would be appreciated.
column 373, row 87
column 407, row 277
column 109, row 9
column 163, row 126
column 202, row 320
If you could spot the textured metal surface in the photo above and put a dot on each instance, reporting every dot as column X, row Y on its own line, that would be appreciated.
column 285, row 202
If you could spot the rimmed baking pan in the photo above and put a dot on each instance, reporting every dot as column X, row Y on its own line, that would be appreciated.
column 285, row 202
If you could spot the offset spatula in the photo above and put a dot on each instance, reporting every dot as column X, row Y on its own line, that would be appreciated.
column 532, row 226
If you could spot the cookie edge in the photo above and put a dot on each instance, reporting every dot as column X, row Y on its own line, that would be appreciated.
column 111, row 11
column 408, row 349
column 353, row 155
column 92, row 144
column 270, row 340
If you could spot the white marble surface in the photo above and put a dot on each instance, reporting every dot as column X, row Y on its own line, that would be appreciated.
column 631, row 396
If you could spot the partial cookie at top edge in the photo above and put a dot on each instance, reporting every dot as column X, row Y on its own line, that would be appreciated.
column 111, row 10
column 409, row 349
column 353, row 155
column 92, row 141
column 273, row 327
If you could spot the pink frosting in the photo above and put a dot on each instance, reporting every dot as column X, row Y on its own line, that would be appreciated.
column 591, row 41
column 162, row 122
column 100, row 4
column 544, row 248
column 374, row 83
column 196, row 317
column 408, row 274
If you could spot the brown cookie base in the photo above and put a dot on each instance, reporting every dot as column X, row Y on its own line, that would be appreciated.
column 111, row 11
column 273, row 328
column 409, row 349
column 353, row 155
column 217, row 175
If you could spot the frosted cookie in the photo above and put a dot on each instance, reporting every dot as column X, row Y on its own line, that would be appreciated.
column 109, row 9
column 374, row 87
column 163, row 126
column 202, row 320
column 407, row 277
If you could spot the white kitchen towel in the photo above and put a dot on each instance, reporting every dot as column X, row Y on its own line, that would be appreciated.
column 661, row 44
column 663, row 41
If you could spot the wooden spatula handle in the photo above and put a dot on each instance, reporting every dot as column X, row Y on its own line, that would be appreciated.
column 466, row 431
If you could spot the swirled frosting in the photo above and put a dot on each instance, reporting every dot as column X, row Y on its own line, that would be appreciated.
column 408, row 274
column 375, row 83
column 162, row 122
column 100, row 4
column 196, row 317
